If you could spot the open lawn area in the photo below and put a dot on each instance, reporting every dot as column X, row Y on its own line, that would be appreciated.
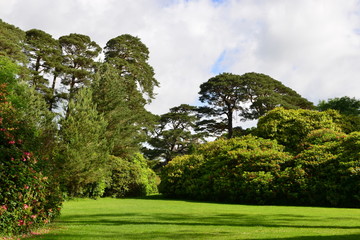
column 171, row 219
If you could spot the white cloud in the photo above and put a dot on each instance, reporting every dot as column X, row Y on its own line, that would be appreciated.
column 311, row 46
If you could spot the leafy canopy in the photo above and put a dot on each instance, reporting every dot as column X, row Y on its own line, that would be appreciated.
column 251, row 95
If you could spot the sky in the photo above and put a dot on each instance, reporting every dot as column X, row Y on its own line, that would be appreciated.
column 310, row 46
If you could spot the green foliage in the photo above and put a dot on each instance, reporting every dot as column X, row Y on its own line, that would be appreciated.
column 349, row 108
column 174, row 134
column 290, row 127
column 11, row 42
column 124, row 111
column 79, row 52
column 83, row 152
column 345, row 105
column 350, row 169
column 131, row 178
column 130, row 57
column 265, row 93
column 236, row 170
column 322, row 136
column 331, row 169
column 255, row 170
column 179, row 178
column 44, row 53
column 250, row 95
column 28, row 198
column 7, row 71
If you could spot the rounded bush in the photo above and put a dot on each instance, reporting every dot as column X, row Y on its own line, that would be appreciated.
column 131, row 178
column 290, row 127
column 236, row 170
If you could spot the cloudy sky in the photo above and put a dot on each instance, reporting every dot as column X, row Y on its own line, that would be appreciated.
column 311, row 46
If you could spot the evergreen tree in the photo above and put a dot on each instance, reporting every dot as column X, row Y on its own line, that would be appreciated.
column 45, row 62
column 79, row 53
column 83, row 152
column 130, row 57
column 345, row 105
column 124, row 111
column 175, row 133
column 348, row 107
column 12, row 42
column 251, row 94
column 224, row 94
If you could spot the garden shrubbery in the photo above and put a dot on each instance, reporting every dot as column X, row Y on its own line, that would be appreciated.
column 131, row 178
column 236, row 170
column 290, row 127
column 322, row 168
column 28, row 198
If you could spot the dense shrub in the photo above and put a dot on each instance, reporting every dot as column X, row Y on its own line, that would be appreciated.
column 183, row 176
column 27, row 197
column 349, row 168
column 236, row 170
column 326, row 172
column 131, row 178
column 253, row 170
column 290, row 127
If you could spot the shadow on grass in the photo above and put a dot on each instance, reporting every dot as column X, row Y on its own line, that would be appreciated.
column 233, row 220
column 102, row 221
column 183, row 226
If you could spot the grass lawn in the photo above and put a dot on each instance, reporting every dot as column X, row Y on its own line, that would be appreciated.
column 170, row 219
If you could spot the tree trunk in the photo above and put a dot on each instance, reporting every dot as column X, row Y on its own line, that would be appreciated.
column 52, row 100
column 230, row 123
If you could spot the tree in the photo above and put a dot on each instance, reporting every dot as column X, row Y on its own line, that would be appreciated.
column 125, row 112
column 224, row 94
column 265, row 93
column 348, row 107
column 83, row 152
column 30, row 107
column 130, row 57
column 345, row 105
column 251, row 94
column 174, row 134
column 12, row 42
column 79, row 54
column 125, row 84
column 44, row 53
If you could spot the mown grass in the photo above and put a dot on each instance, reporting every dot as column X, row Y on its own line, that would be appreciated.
column 171, row 219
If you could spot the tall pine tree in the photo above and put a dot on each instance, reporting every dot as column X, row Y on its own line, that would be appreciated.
column 83, row 151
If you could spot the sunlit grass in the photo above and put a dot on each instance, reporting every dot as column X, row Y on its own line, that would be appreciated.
column 170, row 219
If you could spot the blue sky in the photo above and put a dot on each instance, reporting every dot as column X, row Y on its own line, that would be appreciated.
column 311, row 46
column 219, row 65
